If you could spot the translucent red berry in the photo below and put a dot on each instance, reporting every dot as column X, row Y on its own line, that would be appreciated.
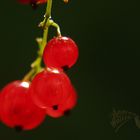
column 52, row 90
column 17, row 109
column 60, row 52
column 64, row 107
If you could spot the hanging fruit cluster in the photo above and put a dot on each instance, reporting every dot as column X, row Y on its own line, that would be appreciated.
column 43, row 91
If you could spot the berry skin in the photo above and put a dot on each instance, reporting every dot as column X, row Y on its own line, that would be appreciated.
column 32, row 1
column 52, row 90
column 17, row 109
column 65, row 107
column 60, row 52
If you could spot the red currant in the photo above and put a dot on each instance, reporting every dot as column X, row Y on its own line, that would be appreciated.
column 17, row 109
column 52, row 90
column 64, row 107
column 60, row 52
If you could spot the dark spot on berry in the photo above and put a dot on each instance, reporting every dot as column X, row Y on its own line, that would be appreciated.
column 55, row 107
column 18, row 128
column 33, row 4
column 67, row 112
column 65, row 68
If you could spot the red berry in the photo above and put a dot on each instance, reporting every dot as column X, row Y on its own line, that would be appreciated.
column 17, row 109
column 52, row 90
column 64, row 107
column 60, row 52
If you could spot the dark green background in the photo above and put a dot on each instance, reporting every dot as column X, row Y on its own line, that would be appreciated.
column 106, row 75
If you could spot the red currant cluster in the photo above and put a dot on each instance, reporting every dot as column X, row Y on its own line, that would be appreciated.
column 25, row 103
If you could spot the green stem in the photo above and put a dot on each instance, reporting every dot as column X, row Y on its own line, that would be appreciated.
column 36, row 65
column 52, row 23
column 28, row 76
column 48, row 9
column 46, row 23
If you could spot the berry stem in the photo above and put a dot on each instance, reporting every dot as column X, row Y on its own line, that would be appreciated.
column 45, row 24
column 48, row 9
column 54, row 24
column 28, row 76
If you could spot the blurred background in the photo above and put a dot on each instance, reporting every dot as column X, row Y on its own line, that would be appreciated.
column 107, row 75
